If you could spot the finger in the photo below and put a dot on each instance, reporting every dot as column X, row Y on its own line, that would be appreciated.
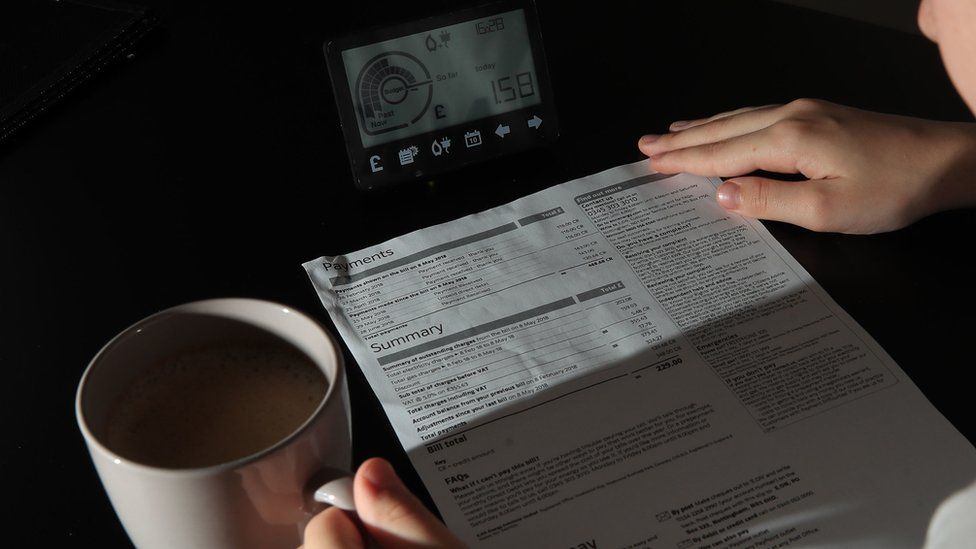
column 803, row 203
column 392, row 515
column 762, row 150
column 714, row 130
column 680, row 125
column 332, row 529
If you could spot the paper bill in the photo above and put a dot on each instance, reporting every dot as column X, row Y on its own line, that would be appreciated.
column 619, row 362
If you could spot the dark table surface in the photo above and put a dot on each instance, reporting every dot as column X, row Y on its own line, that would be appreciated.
column 211, row 164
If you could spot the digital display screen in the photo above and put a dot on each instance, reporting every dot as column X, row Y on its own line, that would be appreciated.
column 443, row 77
column 424, row 97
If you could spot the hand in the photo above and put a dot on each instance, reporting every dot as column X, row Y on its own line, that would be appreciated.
column 390, row 515
column 866, row 172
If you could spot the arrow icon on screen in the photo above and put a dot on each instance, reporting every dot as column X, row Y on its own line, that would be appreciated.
column 535, row 122
column 502, row 130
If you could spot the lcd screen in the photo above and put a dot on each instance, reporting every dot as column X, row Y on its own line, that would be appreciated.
column 435, row 79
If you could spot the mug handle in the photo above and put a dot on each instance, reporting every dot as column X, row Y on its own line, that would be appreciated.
column 337, row 492
column 331, row 486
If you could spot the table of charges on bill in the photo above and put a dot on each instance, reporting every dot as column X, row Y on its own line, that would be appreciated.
column 546, row 362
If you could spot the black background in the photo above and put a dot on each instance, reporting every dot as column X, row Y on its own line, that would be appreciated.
column 211, row 164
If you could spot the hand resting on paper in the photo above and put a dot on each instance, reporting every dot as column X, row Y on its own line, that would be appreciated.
column 865, row 172
column 390, row 515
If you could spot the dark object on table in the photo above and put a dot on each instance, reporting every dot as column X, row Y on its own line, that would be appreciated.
column 48, row 48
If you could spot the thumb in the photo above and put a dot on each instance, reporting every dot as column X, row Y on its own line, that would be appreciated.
column 391, row 514
column 332, row 529
column 803, row 203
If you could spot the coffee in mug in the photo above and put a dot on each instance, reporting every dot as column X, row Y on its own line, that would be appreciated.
column 216, row 402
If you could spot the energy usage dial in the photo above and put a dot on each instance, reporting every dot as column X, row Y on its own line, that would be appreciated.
column 395, row 90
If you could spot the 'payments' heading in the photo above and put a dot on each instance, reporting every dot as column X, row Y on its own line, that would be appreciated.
column 340, row 266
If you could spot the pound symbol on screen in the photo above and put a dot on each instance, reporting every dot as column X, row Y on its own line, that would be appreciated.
column 472, row 139
column 375, row 164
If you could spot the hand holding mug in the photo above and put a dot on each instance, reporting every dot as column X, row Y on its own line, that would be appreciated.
column 389, row 516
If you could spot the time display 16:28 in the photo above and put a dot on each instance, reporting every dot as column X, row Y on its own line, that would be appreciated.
column 490, row 25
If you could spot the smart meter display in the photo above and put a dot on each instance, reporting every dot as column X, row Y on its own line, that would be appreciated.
column 429, row 96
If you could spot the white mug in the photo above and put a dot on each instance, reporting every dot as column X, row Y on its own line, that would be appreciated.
column 259, row 501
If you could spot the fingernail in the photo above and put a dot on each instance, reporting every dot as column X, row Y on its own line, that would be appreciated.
column 678, row 124
column 381, row 475
column 729, row 196
column 648, row 139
